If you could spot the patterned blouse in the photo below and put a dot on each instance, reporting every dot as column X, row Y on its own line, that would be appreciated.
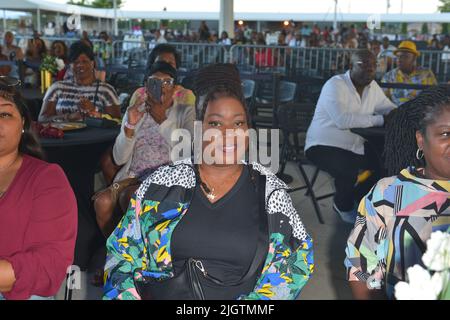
column 394, row 222
column 419, row 76
column 151, row 149
column 67, row 95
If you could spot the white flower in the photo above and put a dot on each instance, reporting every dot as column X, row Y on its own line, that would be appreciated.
column 437, row 256
column 60, row 64
column 421, row 285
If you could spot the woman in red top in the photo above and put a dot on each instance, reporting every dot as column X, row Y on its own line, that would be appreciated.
column 38, row 211
column 263, row 56
column 59, row 51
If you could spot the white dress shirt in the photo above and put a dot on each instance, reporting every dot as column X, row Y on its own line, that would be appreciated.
column 340, row 108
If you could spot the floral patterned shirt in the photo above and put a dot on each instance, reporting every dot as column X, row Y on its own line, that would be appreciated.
column 393, row 224
column 418, row 76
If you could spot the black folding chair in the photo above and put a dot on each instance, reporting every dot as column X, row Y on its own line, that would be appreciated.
column 249, row 88
column 269, row 96
column 294, row 119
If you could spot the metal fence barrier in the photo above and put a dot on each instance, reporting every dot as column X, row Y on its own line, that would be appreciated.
column 314, row 62
column 290, row 60
column 322, row 62
column 193, row 55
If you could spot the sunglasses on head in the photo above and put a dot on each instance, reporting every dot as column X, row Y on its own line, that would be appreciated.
column 7, row 82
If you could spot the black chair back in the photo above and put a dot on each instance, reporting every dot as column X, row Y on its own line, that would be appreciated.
column 295, row 117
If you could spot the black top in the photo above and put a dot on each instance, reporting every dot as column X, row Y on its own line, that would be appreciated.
column 222, row 235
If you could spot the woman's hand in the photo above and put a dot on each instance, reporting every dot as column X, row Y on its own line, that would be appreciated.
column 158, row 110
column 7, row 276
column 86, row 106
column 136, row 112
column 76, row 116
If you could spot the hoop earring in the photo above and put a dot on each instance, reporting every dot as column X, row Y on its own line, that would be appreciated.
column 419, row 154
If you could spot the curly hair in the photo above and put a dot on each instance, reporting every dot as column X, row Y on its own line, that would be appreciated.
column 78, row 48
column 163, row 48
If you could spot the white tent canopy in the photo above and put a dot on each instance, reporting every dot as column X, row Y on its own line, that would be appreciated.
column 32, row 5
column 13, row 14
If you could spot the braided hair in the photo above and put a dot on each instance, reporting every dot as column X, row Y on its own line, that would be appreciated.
column 415, row 115
column 217, row 81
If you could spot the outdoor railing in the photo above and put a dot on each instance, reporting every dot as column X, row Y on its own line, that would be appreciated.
column 323, row 62
column 196, row 55
column 290, row 60
column 315, row 62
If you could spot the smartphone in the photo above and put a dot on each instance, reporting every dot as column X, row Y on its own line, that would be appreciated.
column 154, row 88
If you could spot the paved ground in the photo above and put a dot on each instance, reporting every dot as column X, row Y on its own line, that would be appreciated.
column 328, row 281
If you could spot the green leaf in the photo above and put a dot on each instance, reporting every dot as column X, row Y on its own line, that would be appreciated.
column 445, row 294
column 445, row 7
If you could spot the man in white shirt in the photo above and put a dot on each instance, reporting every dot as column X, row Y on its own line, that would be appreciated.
column 350, row 100
column 387, row 49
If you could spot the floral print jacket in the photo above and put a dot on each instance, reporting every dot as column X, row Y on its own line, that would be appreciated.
column 140, row 245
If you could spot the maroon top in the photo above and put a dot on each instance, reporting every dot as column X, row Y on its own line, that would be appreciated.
column 38, row 228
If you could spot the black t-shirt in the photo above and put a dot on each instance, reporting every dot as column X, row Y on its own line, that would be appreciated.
column 222, row 235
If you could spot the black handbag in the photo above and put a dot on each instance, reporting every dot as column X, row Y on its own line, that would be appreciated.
column 187, row 285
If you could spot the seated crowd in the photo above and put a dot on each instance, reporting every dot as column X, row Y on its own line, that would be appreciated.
column 229, row 221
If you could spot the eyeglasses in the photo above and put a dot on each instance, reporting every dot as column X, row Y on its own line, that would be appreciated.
column 165, row 83
column 366, row 65
column 7, row 82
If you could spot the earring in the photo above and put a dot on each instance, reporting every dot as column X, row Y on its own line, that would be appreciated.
column 23, row 131
column 419, row 154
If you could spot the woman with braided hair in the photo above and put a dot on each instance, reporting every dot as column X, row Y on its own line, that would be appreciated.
column 398, row 215
column 233, row 220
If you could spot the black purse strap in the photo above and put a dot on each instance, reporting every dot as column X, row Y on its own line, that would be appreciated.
column 262, row 242
column 96, row 93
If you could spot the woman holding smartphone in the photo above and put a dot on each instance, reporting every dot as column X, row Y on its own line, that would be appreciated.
column 144, row 142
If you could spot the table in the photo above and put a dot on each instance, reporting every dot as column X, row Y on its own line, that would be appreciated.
column 78, row 153
column 369, row 133
column 374, row 137
column 85, row 136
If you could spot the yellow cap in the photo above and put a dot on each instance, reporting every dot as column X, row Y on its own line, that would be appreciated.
column 407, row 46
